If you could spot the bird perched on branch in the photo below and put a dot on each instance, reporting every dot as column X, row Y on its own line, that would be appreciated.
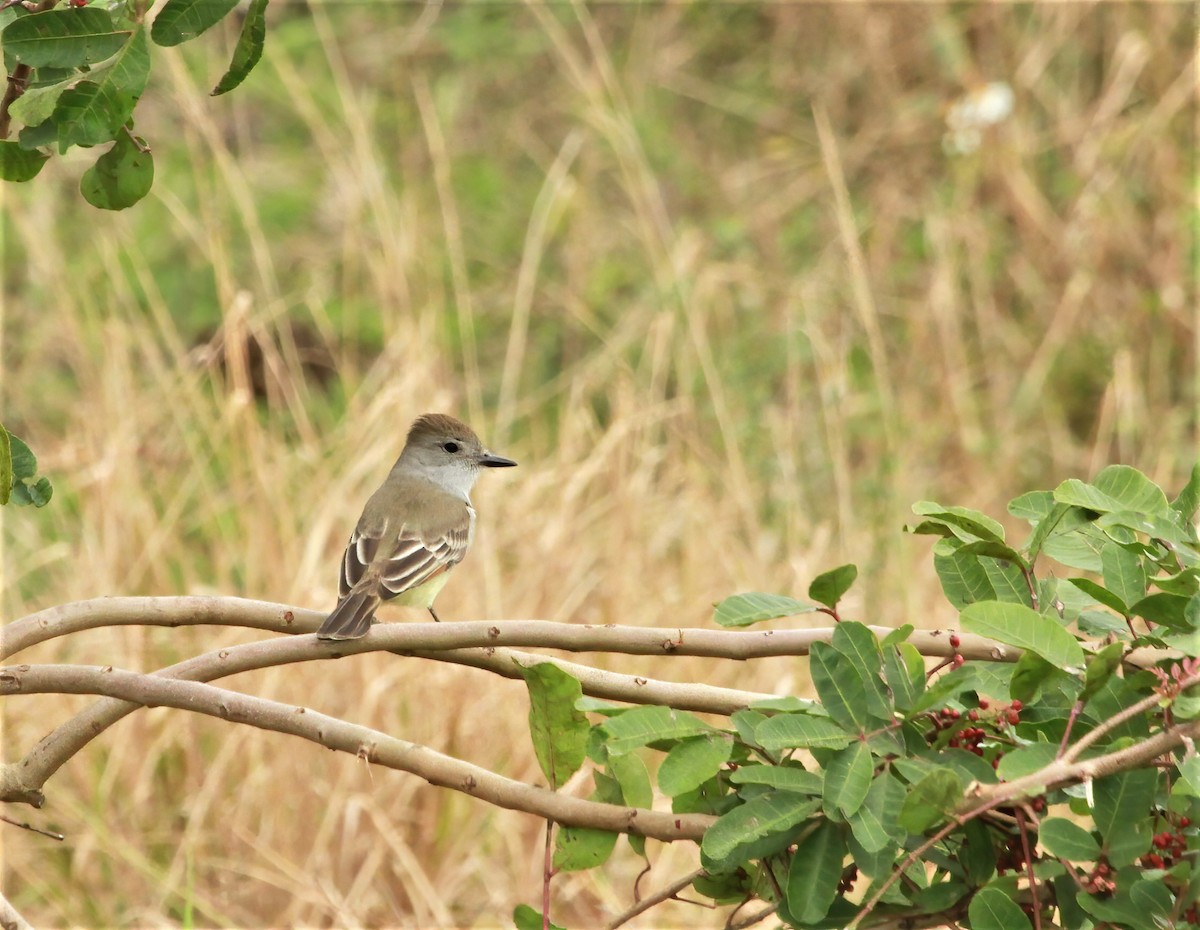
column 415, row 528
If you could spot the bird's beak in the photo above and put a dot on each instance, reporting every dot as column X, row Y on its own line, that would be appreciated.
column 487, row 460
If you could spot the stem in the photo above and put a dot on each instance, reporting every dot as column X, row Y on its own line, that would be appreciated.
column 956, row 822
column 1028, row 853
column 663, row 894
column 547, row 874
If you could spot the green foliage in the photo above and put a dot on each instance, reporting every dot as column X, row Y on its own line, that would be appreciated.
column 83, row 69
column 19, row 481
column 899, row 768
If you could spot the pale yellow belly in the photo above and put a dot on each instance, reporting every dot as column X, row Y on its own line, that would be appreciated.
column 422, row 595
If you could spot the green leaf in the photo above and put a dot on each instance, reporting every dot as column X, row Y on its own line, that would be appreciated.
column 964, row 580
column 1168, row 527
column 579, row 848
column 858, row 644
column 1006, row 579
column 939, row 896
column 121, row 176
column 37, row 103
column 6, row 466
column 1025, row 628
column 1189, row 773
column 1032, row 506
column 1025, row 760
column 770, row 818
column 814, row 873
column 24, row 467
column 840, row 687
column 847, row 780
column 905, row 671
column 1067, row 840
column 1100, row 594
column 994, row 550
column 1185, row 583
column 62, row 38
column 745, row 609
column 652, row 724
column 1100, row 668
column 1058, row 518
column 1117, row 487
column 977, row 853
column 526, row 918
column 693, row 762
column 1029, row 674
column 993, row 909
column 631, row 775
column 973, row 523
column 181, row 20
column 785, row 777
column 1123, row 573
column 931, row 800
column 94, row 111
column 38, row 494
column 876, row 824
column 1120, row 813
column 249, row 48
column 1078, row 547
column 18, row 163
column 1188, row 501
column 85, row 116
column 1167, row 609
column 559, row 731
column 801, row 731
column 1145, row 909
column 828, row 587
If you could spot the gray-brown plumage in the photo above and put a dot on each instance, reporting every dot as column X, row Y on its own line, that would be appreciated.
column 414, row 528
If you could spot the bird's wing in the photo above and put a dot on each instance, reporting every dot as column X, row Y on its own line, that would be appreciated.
column 404, row 560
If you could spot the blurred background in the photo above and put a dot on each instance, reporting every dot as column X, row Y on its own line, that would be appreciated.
column 736, row 284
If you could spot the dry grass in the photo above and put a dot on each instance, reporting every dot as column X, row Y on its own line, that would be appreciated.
column 705, row 271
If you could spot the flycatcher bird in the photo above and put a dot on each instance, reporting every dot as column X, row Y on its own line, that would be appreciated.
column 415, row 528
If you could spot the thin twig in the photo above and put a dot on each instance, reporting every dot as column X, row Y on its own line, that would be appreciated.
column 663, row 894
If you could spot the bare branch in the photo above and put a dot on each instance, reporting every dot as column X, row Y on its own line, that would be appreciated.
column 663, row 894
column 23, row 780
column 1064, row 771
column 408, row 637
column 10, row 919
column 374, row 746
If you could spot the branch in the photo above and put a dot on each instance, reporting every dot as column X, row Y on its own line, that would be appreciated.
column 10, row 919
column 23, row 780
column 372, row 745
column 1064, row 772
column 663, row 894
column 407, row 637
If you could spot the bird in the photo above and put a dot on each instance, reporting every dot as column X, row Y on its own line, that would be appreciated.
column 415, row 528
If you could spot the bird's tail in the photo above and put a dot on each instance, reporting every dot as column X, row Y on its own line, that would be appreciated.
column 351, row 618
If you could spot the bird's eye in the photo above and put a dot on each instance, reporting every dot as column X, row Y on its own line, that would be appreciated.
column 450, row 447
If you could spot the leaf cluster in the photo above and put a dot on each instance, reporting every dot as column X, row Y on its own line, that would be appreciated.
column 76, row 74
column 980, row 793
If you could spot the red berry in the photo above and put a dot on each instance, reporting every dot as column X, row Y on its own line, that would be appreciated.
column 955, row 642
column 973, row 716
column 1013, row 717
column 1185, row 822
column 958, row 661
column 983, row 704
column 1016, row 705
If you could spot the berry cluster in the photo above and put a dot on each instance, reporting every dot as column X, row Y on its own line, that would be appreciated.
column 1169, row 846
column 971, row 737
column 1099, row 880
column 1011, row 856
